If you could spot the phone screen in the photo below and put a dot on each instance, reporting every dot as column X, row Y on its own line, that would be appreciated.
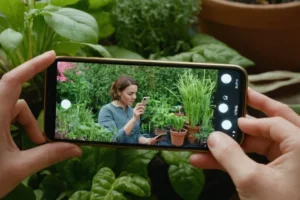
column 99, row 101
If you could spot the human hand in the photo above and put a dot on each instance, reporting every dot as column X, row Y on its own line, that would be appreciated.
column 138, row 110
column 276, row 137
column 16, row 165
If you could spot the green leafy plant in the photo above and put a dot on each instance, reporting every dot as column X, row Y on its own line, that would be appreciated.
column 193, row 92
column 153, row 27
column 106, row 172
column 29, row 31
column 106, row 186
column 161, row 110
column 78, row 123
column 176, row 122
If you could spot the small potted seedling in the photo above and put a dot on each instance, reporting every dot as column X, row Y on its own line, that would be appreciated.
column 177, row 131
column 160, row 117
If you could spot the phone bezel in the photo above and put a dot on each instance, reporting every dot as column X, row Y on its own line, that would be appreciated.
column 50, row 92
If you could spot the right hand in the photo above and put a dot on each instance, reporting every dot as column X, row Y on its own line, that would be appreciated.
column 138, row 110
column 277, row 137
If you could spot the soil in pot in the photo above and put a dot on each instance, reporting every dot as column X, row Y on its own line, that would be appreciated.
column 177, row 138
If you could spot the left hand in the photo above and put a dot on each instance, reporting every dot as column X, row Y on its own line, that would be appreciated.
column 16, row 165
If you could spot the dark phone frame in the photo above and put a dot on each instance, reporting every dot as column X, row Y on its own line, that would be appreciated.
column 50, row 97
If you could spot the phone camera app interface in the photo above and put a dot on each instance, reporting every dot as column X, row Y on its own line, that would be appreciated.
column 145, row 105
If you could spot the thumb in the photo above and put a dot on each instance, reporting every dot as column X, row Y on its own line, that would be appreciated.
column 43, row 156
column 230, row 155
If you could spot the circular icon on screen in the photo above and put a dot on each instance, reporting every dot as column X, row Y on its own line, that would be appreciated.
column 226, row 78
column 223, row 108
column 65, row 104
column 226, row 124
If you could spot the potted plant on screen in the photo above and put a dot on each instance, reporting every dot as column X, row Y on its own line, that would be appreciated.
column 177, row 131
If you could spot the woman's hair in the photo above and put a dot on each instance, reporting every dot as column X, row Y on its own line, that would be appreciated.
column 120, row 84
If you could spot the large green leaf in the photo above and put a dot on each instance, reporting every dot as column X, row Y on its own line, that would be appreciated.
column 10, row 40
column 211, row 53
column 63, row 3
column 81, row 195
column 14, row 11
column 187, row 180
column 99, row 49
column 71, row 48
column 106, row 186
column 73, row 24
column 117, row 52
column 105, row 24
column 95, row 4
column 135, row 161
column 219, row 53
column 200, row 39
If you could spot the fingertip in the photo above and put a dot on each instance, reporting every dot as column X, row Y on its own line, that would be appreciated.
column 73, row 151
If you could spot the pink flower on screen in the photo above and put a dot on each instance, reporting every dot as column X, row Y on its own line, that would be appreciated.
column 61, row 67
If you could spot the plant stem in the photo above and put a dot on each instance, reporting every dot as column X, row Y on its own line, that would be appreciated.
column 30, row 54
column 20, row 57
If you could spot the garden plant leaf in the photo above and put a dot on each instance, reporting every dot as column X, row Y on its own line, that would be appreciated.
column 187, row 180
column 10, row 40
column 14, row 11
column 73, row 24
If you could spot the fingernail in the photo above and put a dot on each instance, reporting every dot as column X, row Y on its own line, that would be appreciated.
column 213, row 140
column 49, row 52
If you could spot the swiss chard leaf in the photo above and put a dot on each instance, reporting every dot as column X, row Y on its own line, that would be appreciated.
column 14, row 11
column 81, row 195
column 211, row 53
column 106, row 186
column 221, row 54
column 73, row 24
column 187, row 180
column 118, row 52
column 135, row 161
column 10, row 40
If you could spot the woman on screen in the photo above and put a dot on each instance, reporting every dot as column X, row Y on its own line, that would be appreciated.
column 120, row 116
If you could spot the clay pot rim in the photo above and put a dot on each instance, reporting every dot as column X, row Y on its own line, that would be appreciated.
column 252, row 16
column 239, row 5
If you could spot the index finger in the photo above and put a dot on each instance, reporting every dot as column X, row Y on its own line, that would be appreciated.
column 271, row 107
column 277, row 129
column 13, row 80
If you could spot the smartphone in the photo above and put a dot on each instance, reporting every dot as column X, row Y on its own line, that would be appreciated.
column 83, row 98
column 145, row 100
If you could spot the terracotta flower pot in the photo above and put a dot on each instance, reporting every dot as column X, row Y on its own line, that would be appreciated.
column 177, row 138
column 267, row 34
column 158, row 131
column 191, row 133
